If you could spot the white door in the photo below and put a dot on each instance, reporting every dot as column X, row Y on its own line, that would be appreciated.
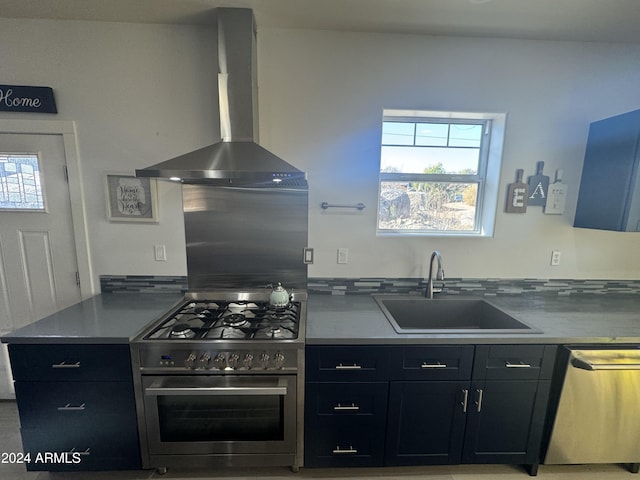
column 38, row 263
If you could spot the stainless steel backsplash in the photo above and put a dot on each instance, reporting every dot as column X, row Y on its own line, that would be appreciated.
column 245, row 237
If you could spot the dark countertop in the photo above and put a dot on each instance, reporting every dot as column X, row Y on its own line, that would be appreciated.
column 106, row 318
column 357, row 320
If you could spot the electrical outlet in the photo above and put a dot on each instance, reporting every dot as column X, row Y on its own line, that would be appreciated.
column 343, row 255
column 308, row 255
column 160, row 253
column 555, row 258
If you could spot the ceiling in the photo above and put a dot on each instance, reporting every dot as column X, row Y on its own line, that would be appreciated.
column 571, row 20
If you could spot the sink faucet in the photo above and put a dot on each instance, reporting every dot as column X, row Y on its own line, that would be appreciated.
column 439, row 274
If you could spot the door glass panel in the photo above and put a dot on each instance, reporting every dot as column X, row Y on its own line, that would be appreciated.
column 198, row 418
column 20, row 182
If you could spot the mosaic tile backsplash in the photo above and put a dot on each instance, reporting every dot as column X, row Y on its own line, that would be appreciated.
column 471, row 286
column 142, row 284
column 366, row 286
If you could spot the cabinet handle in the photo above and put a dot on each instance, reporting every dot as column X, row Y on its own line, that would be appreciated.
column 433, row 365
column 465, row 400
column 349, row 450
column 479, row 401
column 69, row 408
column 521, row 364
column 355, row 366
column 64, row 364
column 353, row 406
column 84, row 452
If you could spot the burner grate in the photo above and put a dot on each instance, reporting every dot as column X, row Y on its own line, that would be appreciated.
column 237, row 320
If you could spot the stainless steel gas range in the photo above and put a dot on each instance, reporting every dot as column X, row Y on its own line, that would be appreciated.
column 219, row 382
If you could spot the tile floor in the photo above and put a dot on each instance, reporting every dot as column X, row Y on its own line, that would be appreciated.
column 10, row 442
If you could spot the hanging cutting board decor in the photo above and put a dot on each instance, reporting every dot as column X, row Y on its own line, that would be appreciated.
column 557, row 197
column 517, row 194
column 538, row 187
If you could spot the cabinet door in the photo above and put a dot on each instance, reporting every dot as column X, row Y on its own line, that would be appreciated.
column 82, row 405
column 609, row 194
column 345, row 424
column 513, row 362
column 353, row 363
column 70, row 362
column 432, row 362
column 504, row 422
column 425, row 422
column 107, row 448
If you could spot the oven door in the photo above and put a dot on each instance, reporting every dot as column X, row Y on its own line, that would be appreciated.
column 220, row 414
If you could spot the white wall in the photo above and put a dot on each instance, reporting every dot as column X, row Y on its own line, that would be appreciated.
column 140, row 94
column 322, row 96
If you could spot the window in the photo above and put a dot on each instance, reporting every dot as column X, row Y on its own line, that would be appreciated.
column 439, row 173
column 20, row 182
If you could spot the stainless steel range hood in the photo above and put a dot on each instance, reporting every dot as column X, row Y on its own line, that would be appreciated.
column 237, row 160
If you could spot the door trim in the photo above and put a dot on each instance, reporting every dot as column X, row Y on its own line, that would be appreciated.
column 67, row 129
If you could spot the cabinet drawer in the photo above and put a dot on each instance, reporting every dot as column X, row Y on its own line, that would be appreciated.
column 355, row 442
column 432, row 362
column 347, row 399
column 62, row 362
column 347, row 363
column 62, row 405
column 514, row 362
column 103, row 448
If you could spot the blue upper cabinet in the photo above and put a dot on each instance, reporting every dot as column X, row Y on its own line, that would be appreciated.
column 609, row 197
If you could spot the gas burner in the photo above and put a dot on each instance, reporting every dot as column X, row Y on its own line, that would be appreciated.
column 279, row 309
column 285, row 316
column 203, row 310
column 274, row 332
column 235, row 320
column 242, row 305
column 182, row 330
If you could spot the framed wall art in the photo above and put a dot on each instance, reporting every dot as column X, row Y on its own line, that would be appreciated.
column 131, row 199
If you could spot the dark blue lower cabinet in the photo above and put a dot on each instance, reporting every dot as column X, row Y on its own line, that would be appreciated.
column 345, row 424
column 104, row 447
column 505, row 422
column 77, row 408
column 435, row 405
column 426, row 423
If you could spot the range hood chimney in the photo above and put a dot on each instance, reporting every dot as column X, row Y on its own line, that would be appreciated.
column 237, row 160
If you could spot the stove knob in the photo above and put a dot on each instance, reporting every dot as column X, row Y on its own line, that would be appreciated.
column 247, row 361
column 219, row 361
column 190, row 361
column 264, row 360
column 233, row 360
column 278, row 360
column 205, row 361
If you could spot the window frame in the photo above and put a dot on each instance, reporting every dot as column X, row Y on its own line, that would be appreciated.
column 487, row 176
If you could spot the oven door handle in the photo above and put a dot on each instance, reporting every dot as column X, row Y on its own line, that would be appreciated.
column 155, row 390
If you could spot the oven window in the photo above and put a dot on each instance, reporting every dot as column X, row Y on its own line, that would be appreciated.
column 185, row 418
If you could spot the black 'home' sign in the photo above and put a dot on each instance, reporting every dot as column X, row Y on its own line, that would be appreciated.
column 18, row 98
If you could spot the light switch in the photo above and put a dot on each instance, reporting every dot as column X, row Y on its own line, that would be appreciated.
column 160, row 253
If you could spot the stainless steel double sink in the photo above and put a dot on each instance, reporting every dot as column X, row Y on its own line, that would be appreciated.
column 410, row 314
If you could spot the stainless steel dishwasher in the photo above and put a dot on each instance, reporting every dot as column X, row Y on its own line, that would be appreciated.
column 598, row 416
